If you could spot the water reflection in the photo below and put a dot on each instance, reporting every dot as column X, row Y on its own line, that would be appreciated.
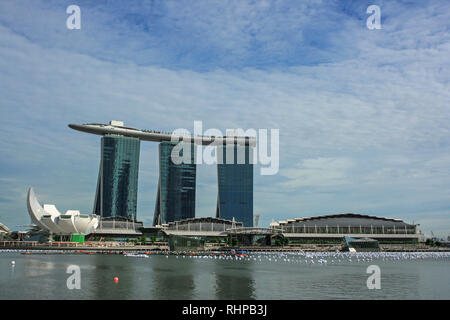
column 38, row 268
column 169, row 281
column 206, row 277
column 101, row 283
column 234, row 280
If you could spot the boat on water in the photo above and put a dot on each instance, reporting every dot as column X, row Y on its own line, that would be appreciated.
column 136, row 255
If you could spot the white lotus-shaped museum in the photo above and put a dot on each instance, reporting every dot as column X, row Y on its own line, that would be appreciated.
column 49, row 218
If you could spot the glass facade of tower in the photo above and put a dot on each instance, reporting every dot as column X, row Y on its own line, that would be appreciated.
column 117, row 185
column 235, row 179
column 176, row 186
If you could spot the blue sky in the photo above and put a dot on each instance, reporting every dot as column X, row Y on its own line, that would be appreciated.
column 363, row 114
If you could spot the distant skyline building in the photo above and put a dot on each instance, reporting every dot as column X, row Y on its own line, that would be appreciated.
column 176, row 186
column 235, row 183
column 117, row 185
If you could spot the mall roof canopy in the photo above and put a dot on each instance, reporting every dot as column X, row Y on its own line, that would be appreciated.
column 254, row 231
column 345, row 219
column 4, row 229
column 202, row 226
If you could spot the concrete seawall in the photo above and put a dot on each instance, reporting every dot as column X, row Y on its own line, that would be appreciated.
column 115, row 247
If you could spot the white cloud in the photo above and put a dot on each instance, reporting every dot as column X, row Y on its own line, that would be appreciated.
column 367, row 126
column 319, row 172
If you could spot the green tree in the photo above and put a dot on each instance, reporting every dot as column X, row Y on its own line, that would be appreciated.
column 142, row 239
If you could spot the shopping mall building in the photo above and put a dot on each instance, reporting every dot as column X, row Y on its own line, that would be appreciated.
column 333, row 228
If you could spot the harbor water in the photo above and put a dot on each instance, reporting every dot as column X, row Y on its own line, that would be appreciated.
column 280, row 276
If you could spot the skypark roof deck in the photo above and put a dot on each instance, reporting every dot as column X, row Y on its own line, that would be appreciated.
column 156, row 136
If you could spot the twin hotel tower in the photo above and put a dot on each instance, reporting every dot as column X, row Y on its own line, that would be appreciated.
column 117, row 186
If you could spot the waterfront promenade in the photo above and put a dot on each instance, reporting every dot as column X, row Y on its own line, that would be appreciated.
column 97, row 247
column 121, row 247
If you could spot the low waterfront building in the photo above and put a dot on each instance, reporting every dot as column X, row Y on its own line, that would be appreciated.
column 188, row 232
column 181, row 243
column 333, row 228
column 203, row 226
column 255, row 236
column 360, row 245
column 66, row 225
column 117, row 227
column 4, row 230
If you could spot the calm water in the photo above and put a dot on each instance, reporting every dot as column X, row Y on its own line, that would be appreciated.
column 260, row 276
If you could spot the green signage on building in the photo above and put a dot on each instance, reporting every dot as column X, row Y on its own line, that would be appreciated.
column 77, row 238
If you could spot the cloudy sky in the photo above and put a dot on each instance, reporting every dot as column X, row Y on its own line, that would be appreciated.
column 363, row 114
